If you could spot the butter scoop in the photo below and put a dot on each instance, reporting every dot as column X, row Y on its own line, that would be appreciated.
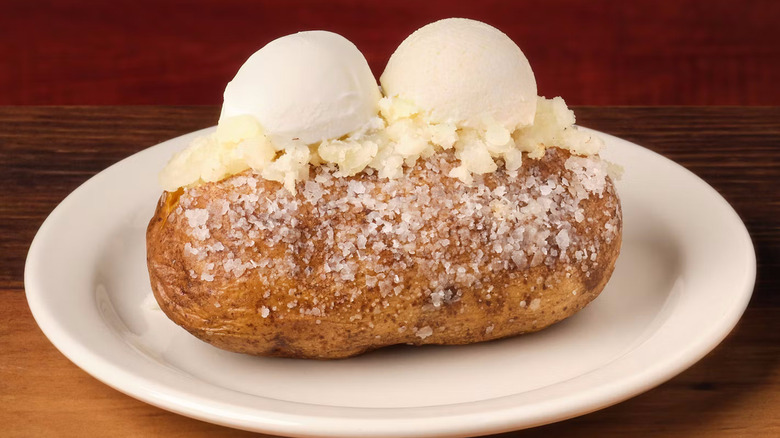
column 463, row 72
column 308, row 87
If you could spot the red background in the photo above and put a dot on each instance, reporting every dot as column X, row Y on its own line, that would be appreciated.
column 596, row 52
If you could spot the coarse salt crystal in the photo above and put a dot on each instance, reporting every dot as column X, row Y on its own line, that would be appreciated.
column 424, row 332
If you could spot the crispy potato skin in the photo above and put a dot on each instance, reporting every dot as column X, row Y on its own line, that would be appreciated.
column 542, row 295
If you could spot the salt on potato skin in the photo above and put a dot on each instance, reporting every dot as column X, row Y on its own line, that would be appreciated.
column 350, row 264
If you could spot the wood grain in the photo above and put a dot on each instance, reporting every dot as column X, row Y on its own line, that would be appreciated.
column 46, row 152
column 596, row 52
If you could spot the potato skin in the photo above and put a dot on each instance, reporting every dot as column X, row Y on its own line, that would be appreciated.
column 245, row 312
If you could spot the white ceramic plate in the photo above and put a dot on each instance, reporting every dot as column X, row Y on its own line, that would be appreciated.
column 684, row 277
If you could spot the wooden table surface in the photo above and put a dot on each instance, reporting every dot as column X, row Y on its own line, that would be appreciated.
column 46, row 152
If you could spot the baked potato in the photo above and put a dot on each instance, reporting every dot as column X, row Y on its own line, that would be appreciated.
column 350, row 264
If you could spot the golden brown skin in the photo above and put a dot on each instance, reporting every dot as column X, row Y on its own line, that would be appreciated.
column 245, row 313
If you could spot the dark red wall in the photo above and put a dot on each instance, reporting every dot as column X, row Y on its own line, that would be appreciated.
column 594, row 52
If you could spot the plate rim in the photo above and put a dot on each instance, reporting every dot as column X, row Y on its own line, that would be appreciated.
column 503, row 420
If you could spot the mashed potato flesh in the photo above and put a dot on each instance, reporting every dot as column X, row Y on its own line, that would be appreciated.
column 398, row 137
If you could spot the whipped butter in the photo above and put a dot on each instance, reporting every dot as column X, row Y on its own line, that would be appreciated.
column 309, row 99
